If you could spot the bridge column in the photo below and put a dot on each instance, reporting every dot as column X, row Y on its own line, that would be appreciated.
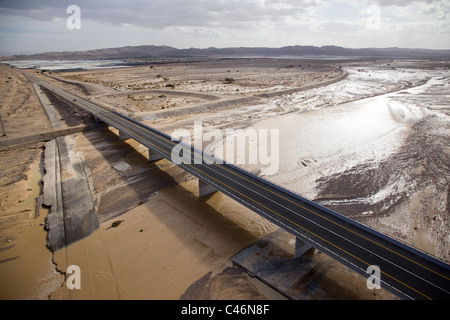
column 204, row 188
column 153, row 156
column 123, row 136
column 97, row 119
column 301, row 248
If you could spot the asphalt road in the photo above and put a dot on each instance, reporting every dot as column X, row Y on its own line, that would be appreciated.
column 404, row 270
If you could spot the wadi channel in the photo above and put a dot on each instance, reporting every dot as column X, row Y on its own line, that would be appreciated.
column 368, row 139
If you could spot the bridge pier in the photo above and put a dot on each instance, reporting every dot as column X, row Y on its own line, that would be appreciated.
column 204, row 188
column 153, row 156
column 97, row 119
column 270, row 259
column 123, row 136
column 301, row 248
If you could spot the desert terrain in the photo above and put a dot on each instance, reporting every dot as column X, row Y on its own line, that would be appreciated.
column 369, row 139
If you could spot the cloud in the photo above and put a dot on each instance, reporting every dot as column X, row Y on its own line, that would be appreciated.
column 220, row 23
column 400, row 3
column 165, row 13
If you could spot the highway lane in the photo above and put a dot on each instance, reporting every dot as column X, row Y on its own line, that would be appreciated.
column 404, row 270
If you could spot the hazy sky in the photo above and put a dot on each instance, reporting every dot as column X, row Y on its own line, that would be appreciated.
column 32, row 26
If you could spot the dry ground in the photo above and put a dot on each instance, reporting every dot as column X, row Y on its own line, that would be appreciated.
column 156, row 87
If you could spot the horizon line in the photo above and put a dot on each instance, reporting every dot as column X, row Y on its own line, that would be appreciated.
column 223, row 48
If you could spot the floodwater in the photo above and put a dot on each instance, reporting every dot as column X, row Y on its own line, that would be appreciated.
column 381, row 160
column 66, row 64
column 327, row 140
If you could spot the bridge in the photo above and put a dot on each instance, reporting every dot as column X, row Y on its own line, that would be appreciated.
column 404, row 270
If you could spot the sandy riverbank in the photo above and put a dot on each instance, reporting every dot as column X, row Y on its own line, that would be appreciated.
column 27, row 271
column 26, row 267
column 161, row 247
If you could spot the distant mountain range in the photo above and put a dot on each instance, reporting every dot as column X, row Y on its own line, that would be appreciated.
column 150, row 51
